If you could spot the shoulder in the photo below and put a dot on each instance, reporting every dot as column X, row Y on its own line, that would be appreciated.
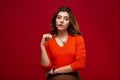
column 78, row 37
column 79, row 41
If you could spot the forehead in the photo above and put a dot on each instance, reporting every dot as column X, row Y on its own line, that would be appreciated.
column 63, row 14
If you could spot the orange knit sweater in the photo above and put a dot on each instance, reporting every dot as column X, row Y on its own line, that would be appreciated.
column 72, row 53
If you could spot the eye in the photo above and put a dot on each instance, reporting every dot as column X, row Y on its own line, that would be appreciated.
column 58, row 17
column 66, row 19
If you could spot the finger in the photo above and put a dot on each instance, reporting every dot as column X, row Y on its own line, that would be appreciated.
column 48, row 35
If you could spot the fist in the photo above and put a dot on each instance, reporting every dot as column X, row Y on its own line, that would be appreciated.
column 45, row 38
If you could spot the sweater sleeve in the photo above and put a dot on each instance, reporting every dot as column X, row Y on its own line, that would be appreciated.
column 47, row 68
column 80, row 54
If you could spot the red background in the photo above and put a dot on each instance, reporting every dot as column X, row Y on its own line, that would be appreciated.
column 22, row 23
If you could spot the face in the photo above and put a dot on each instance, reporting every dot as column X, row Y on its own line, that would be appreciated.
column 62, row 21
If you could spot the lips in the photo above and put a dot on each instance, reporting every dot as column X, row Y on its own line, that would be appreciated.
column 60, row 25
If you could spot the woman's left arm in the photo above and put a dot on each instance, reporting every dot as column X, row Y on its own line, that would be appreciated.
column 79, row 60
column 63, row 69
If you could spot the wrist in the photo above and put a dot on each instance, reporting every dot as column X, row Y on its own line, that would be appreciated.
column 53, row 70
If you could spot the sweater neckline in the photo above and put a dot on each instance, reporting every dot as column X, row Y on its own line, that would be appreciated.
column 64, row 44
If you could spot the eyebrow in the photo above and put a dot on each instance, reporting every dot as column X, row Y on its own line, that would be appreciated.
column 64, row 16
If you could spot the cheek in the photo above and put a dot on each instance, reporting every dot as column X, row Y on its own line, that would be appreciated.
column 67, row 23
column 57, row 21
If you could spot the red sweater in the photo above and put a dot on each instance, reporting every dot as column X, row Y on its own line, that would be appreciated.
column 72, row 53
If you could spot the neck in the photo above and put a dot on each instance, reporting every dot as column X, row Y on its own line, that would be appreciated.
column 62, row 33
column 62, row 36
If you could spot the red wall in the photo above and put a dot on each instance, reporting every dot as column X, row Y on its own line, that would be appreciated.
column 22, row 23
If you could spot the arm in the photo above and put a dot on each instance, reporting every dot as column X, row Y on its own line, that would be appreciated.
column 45, row 56
column 79, row 60
column 63, row 69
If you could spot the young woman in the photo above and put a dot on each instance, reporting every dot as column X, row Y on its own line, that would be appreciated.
column 63, row 50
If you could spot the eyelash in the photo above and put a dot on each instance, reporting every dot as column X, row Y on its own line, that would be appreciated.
column 65, row 19
column 58, row 17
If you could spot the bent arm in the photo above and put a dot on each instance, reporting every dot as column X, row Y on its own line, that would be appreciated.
column 79, row 62
column 80, row 59
column 45, row 54
column 46, row 63
column 44, row 57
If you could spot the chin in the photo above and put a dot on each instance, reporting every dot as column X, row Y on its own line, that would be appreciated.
column 60, row 29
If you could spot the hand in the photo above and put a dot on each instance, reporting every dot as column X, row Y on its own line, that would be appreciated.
column 51, row 71
column 45, row 38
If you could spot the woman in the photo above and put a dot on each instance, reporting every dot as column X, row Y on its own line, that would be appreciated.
column 63, row 50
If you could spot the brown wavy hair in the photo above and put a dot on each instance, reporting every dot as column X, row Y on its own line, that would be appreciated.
column 73, row 28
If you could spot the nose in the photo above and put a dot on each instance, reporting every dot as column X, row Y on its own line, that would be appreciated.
column 61, row 20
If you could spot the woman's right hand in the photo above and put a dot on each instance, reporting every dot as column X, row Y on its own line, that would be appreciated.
column 45, row 38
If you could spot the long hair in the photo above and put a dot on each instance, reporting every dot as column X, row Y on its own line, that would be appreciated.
column 73, row 28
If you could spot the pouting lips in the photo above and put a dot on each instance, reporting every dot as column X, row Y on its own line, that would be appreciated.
column 60, row 25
